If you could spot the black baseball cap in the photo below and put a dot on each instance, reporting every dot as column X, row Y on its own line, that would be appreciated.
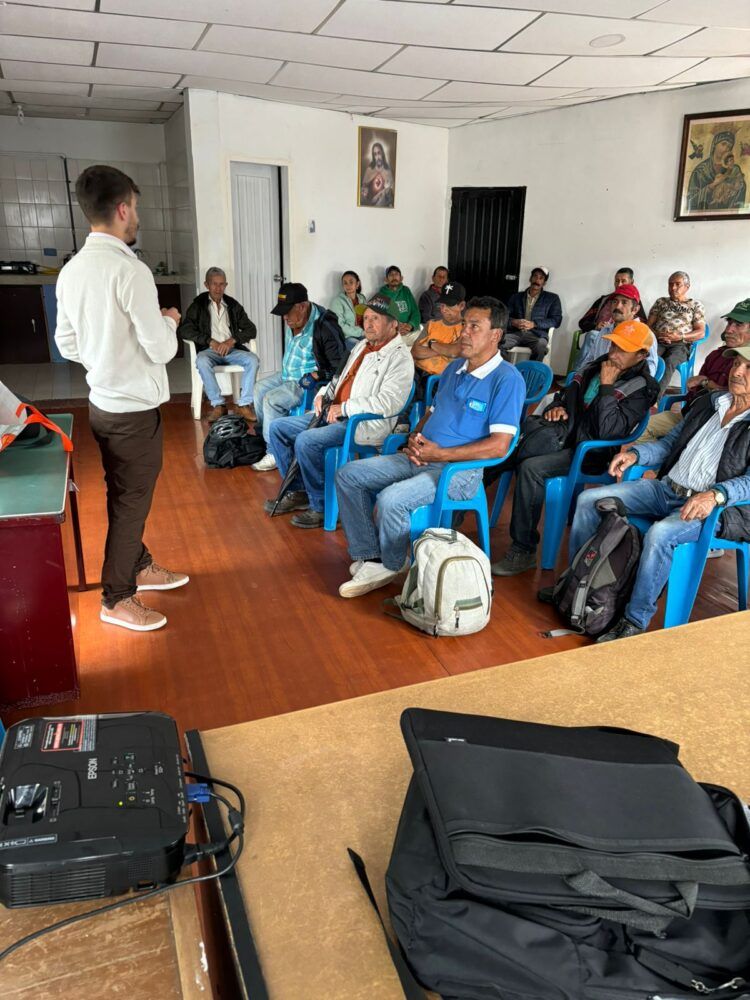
column 452, row 293
column 383, row 305
column 289, row 295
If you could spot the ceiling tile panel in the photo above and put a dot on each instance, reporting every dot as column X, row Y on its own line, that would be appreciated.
column 64, row 101
column 715, row 69
column 351, row 81
column 416, row 24
column 443, row 123
column 585, row 36
column 718, row 14
column 85, row 74
column 256, row 90
column 230, row 67
column 456, row 64
column 45, row 50
column 41, row 111
column 472, row 92
column 65, row 4
column 601, row 8
column 465, row 111
column 136, row 93
column 154, row 117
column 283, row 15
column 616, row 71
column 47, row 23
column 344, row 53
column 712, row 42
column 44, row 87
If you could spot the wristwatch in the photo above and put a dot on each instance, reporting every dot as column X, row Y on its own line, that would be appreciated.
column 720, row 497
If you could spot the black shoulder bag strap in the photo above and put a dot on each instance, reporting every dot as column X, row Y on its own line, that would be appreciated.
column 682, row 976
column 410, row 986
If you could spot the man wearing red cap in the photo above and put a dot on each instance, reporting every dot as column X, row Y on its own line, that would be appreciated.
column 599, row 313
column 605, row 401
column 624, row 305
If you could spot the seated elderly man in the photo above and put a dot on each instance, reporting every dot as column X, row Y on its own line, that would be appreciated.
column 475, row 416
column 221, row 331
column 624, row 305
column 533, row 314
column 712, row 377
column 606, row 401
column 376, row 378
column 599, row 313
column 677, row 321
column 704, row 462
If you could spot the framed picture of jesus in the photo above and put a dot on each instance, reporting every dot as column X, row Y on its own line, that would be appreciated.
column 377, row 168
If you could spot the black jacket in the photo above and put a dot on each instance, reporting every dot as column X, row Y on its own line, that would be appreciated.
column 615, row 411
column 587, row 322
column 734, row 462
column 329, row 345
column 196, row 323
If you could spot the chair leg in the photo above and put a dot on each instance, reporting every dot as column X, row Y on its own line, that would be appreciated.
column 330, row 500
column 236, row 387
column 556, row 504
column 196, row 396
column 483, row 524
column 419, row 523
column 503, row 485
column 743, row 567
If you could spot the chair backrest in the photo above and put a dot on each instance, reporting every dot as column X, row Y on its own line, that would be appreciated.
column 694, row 350
column 192, row 354
column 538, row 379
column 660, row 366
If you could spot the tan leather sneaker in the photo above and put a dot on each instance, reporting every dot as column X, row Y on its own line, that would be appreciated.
column 130, row 613
column 216, row 412
column 248, row 412
column 156, row 577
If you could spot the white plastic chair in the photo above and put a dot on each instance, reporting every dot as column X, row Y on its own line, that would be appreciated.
column 229, row 378
column 524, row 353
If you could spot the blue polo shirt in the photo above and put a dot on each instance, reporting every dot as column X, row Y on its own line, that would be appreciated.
column 470, row 406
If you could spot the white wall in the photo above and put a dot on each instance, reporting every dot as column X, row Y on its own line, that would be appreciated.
column 601, row 182
column 178, row 209
column 84, row 140
column 319, row 148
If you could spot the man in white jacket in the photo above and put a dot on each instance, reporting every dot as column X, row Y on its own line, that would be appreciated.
column 377, row 378
column 108, row 320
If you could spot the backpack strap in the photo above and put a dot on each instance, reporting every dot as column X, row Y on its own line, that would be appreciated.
column 37, row 417
column 410, row 986
column 673, row 972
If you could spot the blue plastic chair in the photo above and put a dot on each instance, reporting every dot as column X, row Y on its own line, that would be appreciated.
column 2, row 733
column 689, row 560
column 439, row 514
column 419, row 408
column 350, row 450
column 686, row 368
column 667, row 402
column 538, row 378
column 308, row 395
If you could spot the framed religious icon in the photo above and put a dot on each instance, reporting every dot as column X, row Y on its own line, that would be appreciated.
column 377, row 168
column 714, row 176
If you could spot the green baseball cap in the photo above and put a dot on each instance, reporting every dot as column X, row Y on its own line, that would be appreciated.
column 744, row 352
column 740, row 313
column 383, row 305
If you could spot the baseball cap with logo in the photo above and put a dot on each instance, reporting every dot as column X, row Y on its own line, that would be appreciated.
column 631, row 336
column 628, row 292
column 544, row 270
column 290, row 294
column 740, row 313
column 383, row 305
column 451, row 294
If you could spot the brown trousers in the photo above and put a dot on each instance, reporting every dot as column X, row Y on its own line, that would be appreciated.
column 131, row 449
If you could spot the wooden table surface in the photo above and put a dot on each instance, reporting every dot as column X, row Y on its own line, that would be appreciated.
column 326, row 778
column 146, row 951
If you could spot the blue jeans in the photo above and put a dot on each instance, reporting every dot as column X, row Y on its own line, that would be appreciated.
column 650, row 498
column 292, row 437
column 398, row 487
column 275, row 397
column 207, row 360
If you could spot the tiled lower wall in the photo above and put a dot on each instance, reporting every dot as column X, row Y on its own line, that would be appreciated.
column 35, row 214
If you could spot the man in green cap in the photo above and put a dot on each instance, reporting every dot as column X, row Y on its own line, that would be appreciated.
column 713, row 375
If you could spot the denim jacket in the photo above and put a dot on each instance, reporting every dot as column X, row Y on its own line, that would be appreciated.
column 733, row 474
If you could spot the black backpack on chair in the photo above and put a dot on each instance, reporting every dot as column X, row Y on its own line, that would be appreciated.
column 229, row 443
column 536, row 862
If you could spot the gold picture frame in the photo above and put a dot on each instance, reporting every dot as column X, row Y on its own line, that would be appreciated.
column 376, row 167
column 713, row 181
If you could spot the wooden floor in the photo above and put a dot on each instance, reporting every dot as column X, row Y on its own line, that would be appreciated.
column 260, row 629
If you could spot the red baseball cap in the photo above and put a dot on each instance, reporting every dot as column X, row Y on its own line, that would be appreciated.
column 628, row 292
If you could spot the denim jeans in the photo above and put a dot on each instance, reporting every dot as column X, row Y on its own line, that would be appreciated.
column 398, row 487
column 644, row 498
column 292, row 437
column 209, row 359
column 275, row 397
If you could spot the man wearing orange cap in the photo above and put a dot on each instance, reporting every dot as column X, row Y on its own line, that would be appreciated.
column 605, row 401
column 624, row 304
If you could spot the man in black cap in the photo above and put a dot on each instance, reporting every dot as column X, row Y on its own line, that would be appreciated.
column 439, row 344
column 533, row 314
column 314, row 346
column 377, row 378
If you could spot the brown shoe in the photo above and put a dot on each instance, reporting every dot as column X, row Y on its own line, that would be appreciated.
column 296, row 500
column 155, row 577
column 216, row 412
column 130, row 613
column 248, row 412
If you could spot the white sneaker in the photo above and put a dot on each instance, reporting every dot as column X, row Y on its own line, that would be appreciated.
column 356, row 566
column 266, row 463
column 368, row 577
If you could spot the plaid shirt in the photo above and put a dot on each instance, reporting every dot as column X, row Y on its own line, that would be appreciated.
column 298, row 354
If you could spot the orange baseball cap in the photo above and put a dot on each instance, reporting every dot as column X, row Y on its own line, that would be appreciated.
column 631, row 336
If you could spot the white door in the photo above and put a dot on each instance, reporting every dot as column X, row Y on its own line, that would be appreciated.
column 256, row 219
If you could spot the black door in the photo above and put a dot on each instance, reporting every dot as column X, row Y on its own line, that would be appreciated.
column 484, row 246
column 23, row 325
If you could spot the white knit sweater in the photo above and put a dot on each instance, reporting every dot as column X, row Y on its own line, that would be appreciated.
column 108, row 319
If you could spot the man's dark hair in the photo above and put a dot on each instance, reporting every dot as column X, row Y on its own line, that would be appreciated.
column 378, row 145
column 498, row 311
column 626, row 270
column 393, row 267
column 100, row 189
column 441, row 267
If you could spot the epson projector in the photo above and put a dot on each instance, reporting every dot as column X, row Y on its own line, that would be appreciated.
column 90, row 806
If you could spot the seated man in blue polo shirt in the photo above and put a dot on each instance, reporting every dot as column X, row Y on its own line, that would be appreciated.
column 475, row 416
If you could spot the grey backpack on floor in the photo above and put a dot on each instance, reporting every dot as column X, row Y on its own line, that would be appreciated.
column 448, row 590
column 537, row 862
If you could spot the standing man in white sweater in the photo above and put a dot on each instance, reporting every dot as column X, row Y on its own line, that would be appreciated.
column 108, row 320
